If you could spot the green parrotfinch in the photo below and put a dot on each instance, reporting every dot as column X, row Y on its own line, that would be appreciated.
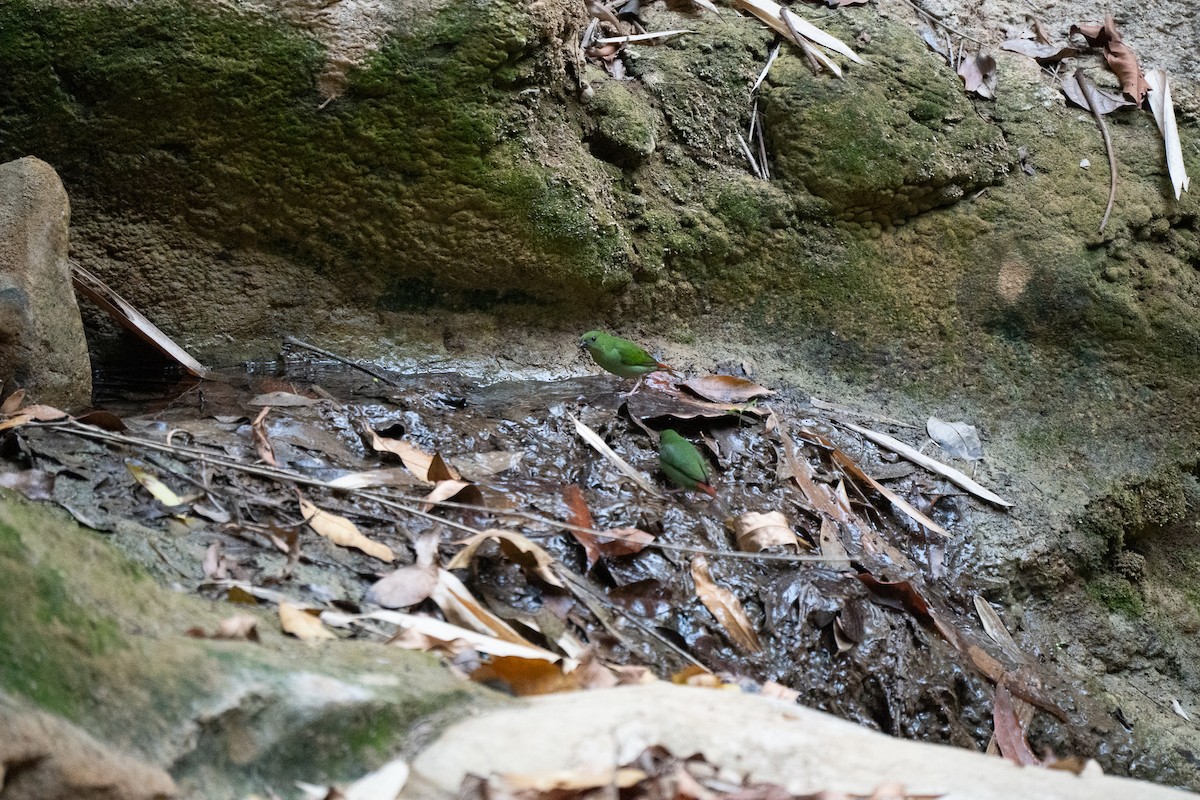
column 620, row 356
column 682, row 463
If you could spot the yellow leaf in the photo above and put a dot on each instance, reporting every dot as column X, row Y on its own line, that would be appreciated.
column 162, row 493
column 299, row 623
column 725, row 606
column 342, row 531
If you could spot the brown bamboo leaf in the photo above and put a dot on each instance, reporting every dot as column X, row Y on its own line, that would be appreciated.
column 725, row 388
column 262, row 444
column 900, row 595
column 41, row 413
column 34, row 484
column 439, row 470
column 303, row 625
column 725, row 606
column 846, row 463
column 530, row 556
column 12, row 402
column 755, row 532
column 995, row 628
column 581, row 516
column 1121, row 59
column 342, row 531
column 104, row 420
column 526, row 676
column 1009, row 734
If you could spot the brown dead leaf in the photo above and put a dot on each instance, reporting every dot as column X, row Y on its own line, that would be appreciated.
column 979, row 74
column 1106, row 102
column 573, row 782
column 725, row 606
column 725, row 388
column 303, row 625
column 1121, row 59
column 531, row 557
column 104, row 420
column 342, row 531
column 1043, row 53
column 40, row 413
column 755, row 532
column 262, row 444
column 15, row 422
column 900, row 595
column 624, row 541
column 832, row 547
column 526, row 676
column 461, row 608
column 419, row 462
column 581, row 516
column 1009, row 734
column 12, row 402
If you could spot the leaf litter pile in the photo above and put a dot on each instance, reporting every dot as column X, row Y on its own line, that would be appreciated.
column 523, row 531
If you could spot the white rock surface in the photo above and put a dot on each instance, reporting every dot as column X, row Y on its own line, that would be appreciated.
column 767, row 740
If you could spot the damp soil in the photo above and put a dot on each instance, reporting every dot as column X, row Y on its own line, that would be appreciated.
column 888, row 638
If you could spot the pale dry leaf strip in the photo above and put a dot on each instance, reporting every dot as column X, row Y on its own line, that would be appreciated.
column 912, row 454
column 262, row 443
column 1164, row 116
column 342, row 531
column 768, row 12
column 303, row 625
column 725, row 606
column 593, row 439
column 755, row 532
column 531, row 557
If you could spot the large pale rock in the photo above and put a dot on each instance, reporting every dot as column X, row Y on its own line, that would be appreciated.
column 804, row 750
column 42, row 347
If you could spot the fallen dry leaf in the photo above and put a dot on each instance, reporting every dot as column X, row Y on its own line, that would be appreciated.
column 299, row 623
column 41, row 413
column 1121, row 59
column 375, row 477
column 957, row 438
column 1009, row 735
column 1042, row 53
column 461, row 608
column 239, row 626
column 342, row 531
column 437, row 631
column 978, row 73
column 160, row 491
column 579, row 515
column 725, row 388
column 105, row 420
column 409, row 585
column 531, row 557
column 15, row 422
column 417, row 460
column 725, row 606
column 832, row 547
column 593, row 438
column 12, row 402
column 526, row 676
column 900, row 595
column 447, row 489
column 214, row 564
column 1106, row 102
column 755, row 532
column 262, row 444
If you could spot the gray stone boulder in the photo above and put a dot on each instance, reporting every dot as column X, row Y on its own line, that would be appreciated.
column 42, row 347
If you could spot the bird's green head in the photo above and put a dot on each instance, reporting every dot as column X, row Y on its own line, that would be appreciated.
column 670, row 437
column 589, row 339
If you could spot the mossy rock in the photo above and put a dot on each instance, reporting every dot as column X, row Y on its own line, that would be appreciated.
column 92, row 638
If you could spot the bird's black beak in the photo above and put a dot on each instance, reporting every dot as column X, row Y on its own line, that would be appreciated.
column 582, row 345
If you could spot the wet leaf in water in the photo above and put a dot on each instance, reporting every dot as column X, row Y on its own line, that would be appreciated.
column 526, row 676
column 531, row 557
column 480, row 466
column 756, row 532
column 299, row 623
column 957, row 438
column 725, row 388
column 725, row 606
column 1009, row 734
column 900, row 595
column 342, row 531
column 32, row 483
column 580, row 516
column 161, row 492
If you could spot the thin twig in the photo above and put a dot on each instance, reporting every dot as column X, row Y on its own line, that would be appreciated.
column 938, row 22
column 277, row 474
column 749, row 156
column 1086, row 87
column 774, row 54
column 292, row 340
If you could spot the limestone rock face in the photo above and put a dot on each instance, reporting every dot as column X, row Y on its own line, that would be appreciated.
column 42, row 347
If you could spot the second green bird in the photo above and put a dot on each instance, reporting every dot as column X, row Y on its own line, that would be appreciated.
column 682, row 463
column 620, row 356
